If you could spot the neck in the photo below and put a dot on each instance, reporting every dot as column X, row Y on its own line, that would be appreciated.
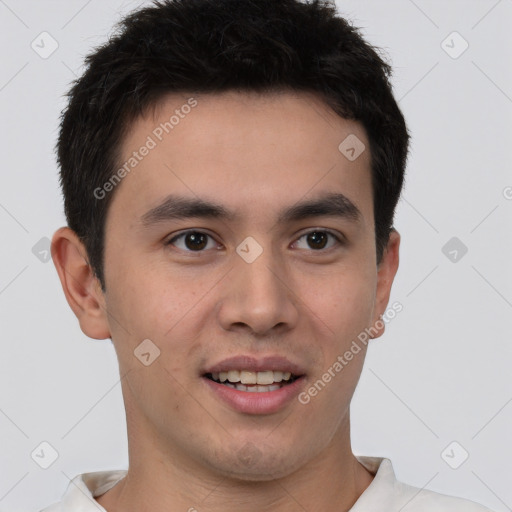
column 163, row 479
column 161, row 486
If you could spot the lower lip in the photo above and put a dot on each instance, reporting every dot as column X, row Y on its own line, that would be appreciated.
column 265, row 402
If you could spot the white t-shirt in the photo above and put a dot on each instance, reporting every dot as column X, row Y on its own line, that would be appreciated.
column 384, row 494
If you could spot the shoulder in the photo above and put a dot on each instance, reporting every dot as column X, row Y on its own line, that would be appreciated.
column 82, row 490
column 386, row 493
column 56, row 507
column 414, row 499
column 430, row 501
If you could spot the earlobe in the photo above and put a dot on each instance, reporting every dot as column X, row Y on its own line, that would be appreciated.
column 79, row 283
column 386, row 272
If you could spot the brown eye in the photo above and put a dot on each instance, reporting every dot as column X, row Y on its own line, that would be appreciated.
column 191, row 241
column 318, row 240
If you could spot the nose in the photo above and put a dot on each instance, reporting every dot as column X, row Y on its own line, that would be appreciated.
column 258, row 297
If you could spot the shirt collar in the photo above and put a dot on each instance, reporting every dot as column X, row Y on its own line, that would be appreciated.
column 82, row 490
column 380, row 494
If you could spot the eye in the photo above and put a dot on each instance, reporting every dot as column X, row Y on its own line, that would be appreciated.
column 198, row 241
column 192, row 241
column 318, row 239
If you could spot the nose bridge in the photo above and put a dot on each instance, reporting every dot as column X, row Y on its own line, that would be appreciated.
column 257, row 294
column 261, row 276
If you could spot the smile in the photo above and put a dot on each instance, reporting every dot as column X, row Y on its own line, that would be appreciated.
column 259, row 382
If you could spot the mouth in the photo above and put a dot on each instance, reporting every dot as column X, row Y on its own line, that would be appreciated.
column 253, row 382
column 254, row 385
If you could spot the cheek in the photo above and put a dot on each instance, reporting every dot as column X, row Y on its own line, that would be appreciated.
column 148, row 297
column 162, row 306
column 343, row 310
column 343, row 300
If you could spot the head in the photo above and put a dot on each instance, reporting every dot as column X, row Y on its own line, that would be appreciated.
column 245, row 106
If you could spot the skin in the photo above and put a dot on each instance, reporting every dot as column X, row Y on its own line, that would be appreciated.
column 187, row 448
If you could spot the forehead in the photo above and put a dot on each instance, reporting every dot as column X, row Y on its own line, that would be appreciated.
column 245, row 150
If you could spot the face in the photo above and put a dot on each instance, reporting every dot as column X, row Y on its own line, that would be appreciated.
column 252, row 273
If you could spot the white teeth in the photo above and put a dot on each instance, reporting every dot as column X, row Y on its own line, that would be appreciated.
column 249, row 377
column 245, row 377
column 234, row 376
column 278, row 376
column 265, row 377
column 255, row 389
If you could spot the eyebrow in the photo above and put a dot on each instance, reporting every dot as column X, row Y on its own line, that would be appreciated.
column 175, row 207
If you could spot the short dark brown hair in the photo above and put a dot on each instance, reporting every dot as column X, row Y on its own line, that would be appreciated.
column 196, row 46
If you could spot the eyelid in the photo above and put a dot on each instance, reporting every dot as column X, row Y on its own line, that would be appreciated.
column 339, row 237
column 176, row 236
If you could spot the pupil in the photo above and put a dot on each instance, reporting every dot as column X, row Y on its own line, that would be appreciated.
column 195, row 240
column 317, row 237
column 317, row 240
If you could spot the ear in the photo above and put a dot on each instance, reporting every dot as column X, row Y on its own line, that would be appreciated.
column 386, row 272
column 81, row 286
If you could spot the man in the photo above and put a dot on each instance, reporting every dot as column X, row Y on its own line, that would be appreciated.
column 230, row 171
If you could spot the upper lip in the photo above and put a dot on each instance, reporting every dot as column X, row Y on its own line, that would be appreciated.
column 253, row 364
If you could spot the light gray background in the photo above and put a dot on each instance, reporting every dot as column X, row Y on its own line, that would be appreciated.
column 441, row 372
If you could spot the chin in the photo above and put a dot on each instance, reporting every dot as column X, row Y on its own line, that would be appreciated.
column 253, row 464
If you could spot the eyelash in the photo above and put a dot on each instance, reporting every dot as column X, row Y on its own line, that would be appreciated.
column 338, row 239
